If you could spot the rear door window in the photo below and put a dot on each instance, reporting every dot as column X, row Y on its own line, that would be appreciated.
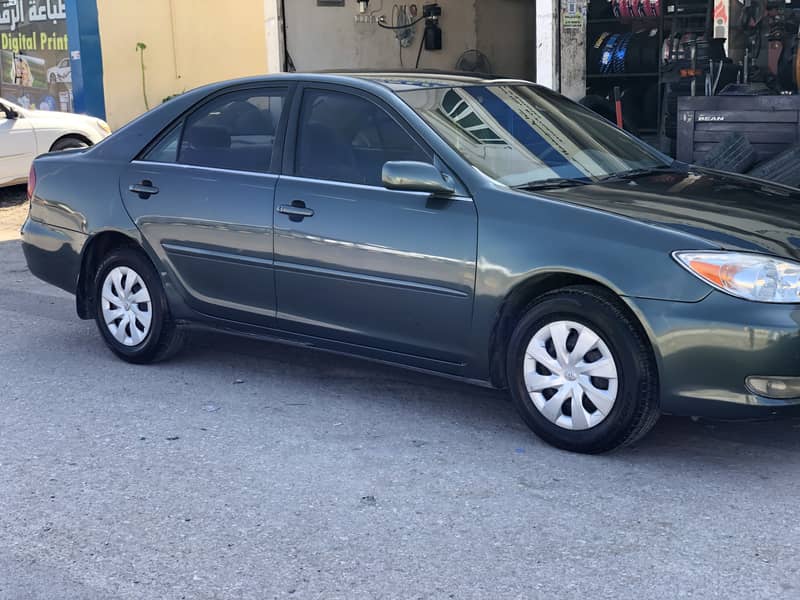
column 235, row 131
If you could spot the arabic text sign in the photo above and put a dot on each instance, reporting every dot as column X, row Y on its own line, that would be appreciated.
column 16, row 13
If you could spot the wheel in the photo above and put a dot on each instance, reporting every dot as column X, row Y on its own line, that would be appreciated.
column 581, row 372
column 131, row 309
column 53, row 78
column 68, row 143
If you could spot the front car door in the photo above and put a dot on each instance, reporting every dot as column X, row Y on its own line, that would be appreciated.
column 17, row 147
column 356, row 262
column 202, row 196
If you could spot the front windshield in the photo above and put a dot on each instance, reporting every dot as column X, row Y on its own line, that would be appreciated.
column 520, row 135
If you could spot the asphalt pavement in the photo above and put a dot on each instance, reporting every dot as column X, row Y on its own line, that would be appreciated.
column 253, row 470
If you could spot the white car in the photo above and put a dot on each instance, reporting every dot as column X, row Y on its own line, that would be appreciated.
column 24, row 134
column 61, row 73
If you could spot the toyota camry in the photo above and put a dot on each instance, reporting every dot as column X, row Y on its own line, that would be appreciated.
column 487, row 230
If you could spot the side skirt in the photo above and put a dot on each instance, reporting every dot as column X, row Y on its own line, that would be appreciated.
column 409, row 362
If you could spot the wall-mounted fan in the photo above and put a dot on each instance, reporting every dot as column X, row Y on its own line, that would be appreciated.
column 474, row 61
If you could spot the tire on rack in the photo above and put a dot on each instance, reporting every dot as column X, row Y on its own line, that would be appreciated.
column 605, row 108
column 581, row 371
column 733, row 153
column 131, row 308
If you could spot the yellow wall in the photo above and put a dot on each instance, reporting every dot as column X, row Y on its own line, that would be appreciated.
column 189, row 43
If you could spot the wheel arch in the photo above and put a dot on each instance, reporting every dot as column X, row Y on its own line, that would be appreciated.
column 71, row 135
column 527, row 291
column 98, row 245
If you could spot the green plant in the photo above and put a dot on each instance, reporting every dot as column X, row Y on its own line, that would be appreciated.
column 171, row 96
column 141, row 47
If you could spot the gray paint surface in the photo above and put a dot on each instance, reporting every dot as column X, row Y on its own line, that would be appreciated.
column 268, row 490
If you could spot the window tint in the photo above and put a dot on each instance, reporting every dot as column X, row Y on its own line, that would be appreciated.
column 347, row 138
column 235, row 131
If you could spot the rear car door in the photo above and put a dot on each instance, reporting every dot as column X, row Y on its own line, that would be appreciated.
column 356, row 262
column 202, row 196
column 17, row 148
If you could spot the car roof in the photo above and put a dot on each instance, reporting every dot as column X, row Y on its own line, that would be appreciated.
column 393, row 80
column 400, row 80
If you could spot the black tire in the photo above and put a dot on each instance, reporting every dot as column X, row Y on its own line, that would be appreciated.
column 606, row 109
column 734, row 154
column 164, row 337
column 783, row 168
column 635, row 410
column 69, row 143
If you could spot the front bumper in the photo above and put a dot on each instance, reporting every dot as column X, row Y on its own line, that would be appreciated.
column 706, row 350
column 53, row 254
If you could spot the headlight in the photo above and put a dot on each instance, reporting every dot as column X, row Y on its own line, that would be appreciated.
column 749, row 276
column 104, row 126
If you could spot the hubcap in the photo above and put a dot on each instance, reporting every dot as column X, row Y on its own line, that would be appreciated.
column 127, row 309
column 571, row 375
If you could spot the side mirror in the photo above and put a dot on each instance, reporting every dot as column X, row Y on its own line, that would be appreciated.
column 416, row 177
column 8, row 112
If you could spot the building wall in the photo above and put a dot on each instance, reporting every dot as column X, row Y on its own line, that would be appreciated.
column 328, row 37
column 189, row 43
column 506, row 31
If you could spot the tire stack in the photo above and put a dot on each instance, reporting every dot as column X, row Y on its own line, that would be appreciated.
column 615, row 53
column 624, row 53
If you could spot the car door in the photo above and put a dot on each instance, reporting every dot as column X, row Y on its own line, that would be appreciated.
column 356, row 262
column 202, row 196
column 17, row 147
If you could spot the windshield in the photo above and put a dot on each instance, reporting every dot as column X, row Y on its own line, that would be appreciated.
column 520, row 135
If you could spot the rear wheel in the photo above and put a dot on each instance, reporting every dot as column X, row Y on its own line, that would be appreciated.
column 131, row 309
column 581, row 372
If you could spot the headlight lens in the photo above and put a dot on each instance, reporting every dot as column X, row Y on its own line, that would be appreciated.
column 749, row 276
column 104, row 126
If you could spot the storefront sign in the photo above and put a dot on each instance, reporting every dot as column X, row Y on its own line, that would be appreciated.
column 35, row 68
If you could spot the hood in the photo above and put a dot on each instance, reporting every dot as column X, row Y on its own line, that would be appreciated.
column 63, row 119
column 730, row 211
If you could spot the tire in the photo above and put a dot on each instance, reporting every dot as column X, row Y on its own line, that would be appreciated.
column 628, row 386
column 734, row 154
column 156, row 336
column 783, row 168
column 606, row 109
column 69, row 143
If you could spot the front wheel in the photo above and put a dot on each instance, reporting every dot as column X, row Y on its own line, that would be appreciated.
column 581, row 372
column 69, row 143
column 131, row 309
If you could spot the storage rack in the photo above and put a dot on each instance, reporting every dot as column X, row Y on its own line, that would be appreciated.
column 675, row 16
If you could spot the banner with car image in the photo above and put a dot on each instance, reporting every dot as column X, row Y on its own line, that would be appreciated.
column 35, row 68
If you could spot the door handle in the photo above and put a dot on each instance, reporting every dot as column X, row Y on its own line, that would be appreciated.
column 144, row 189
column 297, row 210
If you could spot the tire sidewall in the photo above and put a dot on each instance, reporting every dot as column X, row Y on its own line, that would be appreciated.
column 130, row 258
column 625, row 347
column 69, row 144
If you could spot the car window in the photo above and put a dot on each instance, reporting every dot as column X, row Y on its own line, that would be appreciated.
column 521, row 134
column 342, row 137
column 235, row 131
column 166, row 151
